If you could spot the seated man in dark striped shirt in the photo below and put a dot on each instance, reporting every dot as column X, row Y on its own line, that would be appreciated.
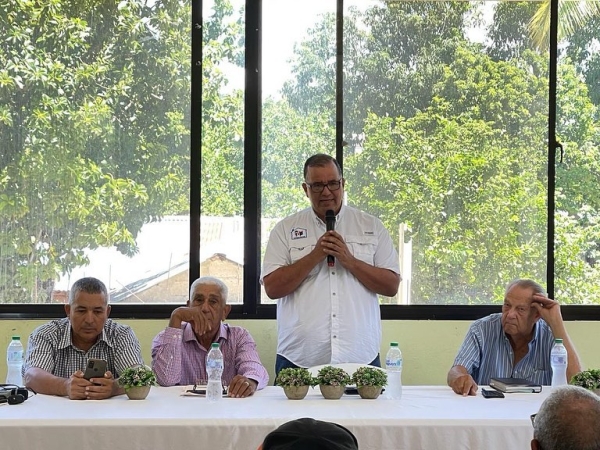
column 514, row 344
column 179, row 351
column 58, row 351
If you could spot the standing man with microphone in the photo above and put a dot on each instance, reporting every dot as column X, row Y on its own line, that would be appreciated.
column 326, row 265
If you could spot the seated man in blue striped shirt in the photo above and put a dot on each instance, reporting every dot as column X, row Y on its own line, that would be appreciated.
column 515, row 343
column 58, row 351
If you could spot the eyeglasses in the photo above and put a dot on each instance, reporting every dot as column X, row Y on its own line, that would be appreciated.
column 331, row 185
column 532, row 417
column 200, row 388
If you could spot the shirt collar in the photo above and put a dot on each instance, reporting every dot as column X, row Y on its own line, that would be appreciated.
column 338, row 217
column 188, row 333
column 67, row 339
column 537, row 329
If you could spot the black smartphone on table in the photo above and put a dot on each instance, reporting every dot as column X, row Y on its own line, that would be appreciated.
column 353, row 390
column 491, row 393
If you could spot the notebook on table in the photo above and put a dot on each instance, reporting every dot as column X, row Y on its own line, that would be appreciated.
column 511, row 385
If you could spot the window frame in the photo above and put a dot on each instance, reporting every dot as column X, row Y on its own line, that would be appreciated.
column 252, row 308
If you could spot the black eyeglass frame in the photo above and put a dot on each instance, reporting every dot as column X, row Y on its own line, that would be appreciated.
column 317, row 188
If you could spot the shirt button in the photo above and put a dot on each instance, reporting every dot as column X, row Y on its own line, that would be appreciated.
column 334, row 315
column 334, row 336
column 333, row 293
column 333, row 272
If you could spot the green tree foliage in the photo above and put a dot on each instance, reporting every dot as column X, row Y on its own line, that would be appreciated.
column 471, row 192
column 450, row 138
column 577, row 201
column 222, row 176
column 508, row 32
column 581, row 48
column 389, row 70
column 289, row 138
column 94, row 128
column 572, row 16
column 446, row 136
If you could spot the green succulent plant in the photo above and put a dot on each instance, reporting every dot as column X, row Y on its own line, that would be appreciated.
column 332, row 376
column 140, row 375
column 369, row 376
column 294, row 377
column 588, row 379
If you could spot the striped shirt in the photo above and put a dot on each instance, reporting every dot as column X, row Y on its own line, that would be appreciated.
column 178, row 357
column 50, row 348
column 486, row 352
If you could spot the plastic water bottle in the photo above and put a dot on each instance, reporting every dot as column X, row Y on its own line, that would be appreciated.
column 558, row 361
column 393, row 365
column 214, row 369
column 14, row 361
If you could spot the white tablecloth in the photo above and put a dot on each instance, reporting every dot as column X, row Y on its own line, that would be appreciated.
column 427, row 417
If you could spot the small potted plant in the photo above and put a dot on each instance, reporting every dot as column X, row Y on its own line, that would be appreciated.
column 369, row 381
column 137, row 381
column 332, row 381
column 295, row 382
column 588, row 379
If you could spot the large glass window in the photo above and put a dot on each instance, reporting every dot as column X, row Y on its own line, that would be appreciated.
column 444, row 114
column 577, row 240
column 94, row 136
column 447, row 126
column 299, row 89
column 222, row 169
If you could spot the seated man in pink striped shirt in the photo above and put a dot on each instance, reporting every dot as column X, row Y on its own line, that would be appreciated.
column 179, row 351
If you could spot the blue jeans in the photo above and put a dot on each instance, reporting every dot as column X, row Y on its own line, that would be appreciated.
column 284, row 363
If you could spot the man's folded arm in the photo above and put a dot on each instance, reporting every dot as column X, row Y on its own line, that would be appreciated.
column 44, row 382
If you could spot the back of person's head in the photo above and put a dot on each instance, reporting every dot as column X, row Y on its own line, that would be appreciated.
column 310, row 434
column 89, row 285
column 569, row 419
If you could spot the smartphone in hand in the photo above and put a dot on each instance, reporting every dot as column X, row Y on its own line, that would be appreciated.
column 96, row 368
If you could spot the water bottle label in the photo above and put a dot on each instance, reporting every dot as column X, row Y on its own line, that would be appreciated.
column 214, row 364
column 14, row 356
column 393, row 363
column 559, row 359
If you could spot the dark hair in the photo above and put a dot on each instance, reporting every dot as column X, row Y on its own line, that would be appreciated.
column 321, row 160
column 310, row 434
column 89, row 285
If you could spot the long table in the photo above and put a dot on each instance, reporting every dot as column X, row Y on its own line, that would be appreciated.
column 427, row 417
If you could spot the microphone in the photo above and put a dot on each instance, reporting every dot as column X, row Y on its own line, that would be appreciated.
column 330, row 224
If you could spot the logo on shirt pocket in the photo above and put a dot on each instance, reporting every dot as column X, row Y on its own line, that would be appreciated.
column 299, row 233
